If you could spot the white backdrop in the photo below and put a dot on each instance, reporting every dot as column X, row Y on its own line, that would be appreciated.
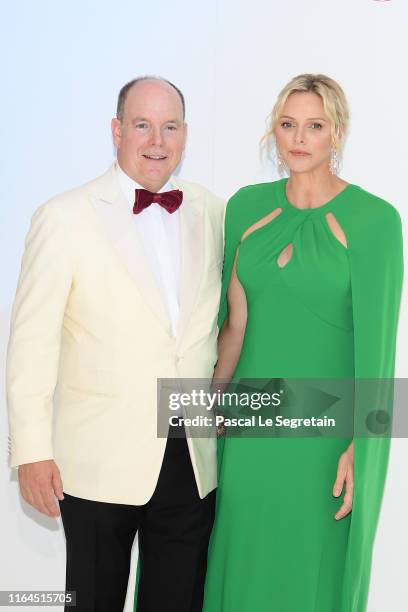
column 63, row 64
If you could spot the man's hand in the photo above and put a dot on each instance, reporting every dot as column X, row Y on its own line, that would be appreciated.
column 40, row 482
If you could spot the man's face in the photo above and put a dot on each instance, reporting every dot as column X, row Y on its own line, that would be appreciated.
column 151, row 137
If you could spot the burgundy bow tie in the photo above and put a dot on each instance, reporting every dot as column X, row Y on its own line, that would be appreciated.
column 170, row 200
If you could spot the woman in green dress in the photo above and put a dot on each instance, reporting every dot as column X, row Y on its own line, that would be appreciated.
column 311, row 289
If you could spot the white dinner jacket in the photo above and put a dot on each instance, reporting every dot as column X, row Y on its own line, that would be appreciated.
column 90, row 335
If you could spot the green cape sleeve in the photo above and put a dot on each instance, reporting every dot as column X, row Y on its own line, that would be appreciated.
column 246, row 207
column 374, row 236
column 231, row 238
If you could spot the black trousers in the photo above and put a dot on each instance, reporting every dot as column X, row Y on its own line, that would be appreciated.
column 173, row 528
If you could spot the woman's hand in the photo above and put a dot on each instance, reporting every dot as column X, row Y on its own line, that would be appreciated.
column 217, row 388
column 345, row 473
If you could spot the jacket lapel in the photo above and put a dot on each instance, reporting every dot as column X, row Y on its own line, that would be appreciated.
column 116, row 220
column 192, row 229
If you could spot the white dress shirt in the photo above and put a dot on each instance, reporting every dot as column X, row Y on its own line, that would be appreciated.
column 159, row 232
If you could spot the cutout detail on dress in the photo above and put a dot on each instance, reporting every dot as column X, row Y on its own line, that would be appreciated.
column 285, row 255
column 336, row 229
column 261, row 223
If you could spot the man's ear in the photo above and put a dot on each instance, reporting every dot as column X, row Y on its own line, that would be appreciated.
column 116, row 128
column 185, row 134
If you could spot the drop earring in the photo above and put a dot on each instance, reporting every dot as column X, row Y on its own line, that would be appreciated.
column 334, row 162
column 280, row 164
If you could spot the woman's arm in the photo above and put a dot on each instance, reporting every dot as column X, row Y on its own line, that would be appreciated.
column 233, row 330
column 231, row 336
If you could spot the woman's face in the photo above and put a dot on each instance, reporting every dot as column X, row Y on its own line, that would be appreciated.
column 303, row 133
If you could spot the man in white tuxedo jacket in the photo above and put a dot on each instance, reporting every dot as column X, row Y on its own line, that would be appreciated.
column 119, row 286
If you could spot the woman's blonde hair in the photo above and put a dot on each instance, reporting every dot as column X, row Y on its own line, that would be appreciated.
column 334, row 104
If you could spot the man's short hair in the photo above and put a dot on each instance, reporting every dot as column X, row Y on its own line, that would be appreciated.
column 125, row 89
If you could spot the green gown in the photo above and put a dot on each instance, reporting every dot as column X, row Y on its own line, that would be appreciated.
column 330, row 312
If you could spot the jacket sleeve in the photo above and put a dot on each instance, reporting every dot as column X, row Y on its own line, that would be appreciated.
column 376, row 268
column 35, row 335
